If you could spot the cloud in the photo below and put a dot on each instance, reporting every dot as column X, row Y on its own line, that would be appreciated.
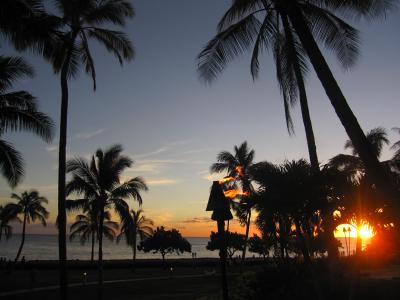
column 210, row 177
column 89, row 135
column 154, row 166
column 162, row 149
column 164, row 181
column 196, row 151
column 52, row 148
column 198, row 220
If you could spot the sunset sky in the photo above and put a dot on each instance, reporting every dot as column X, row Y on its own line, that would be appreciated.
column 173, row 125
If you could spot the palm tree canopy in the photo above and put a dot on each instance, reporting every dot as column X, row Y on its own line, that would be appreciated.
column 18, row 112
column 77, row 23
column 352, row 164
column 30, row 204
column 99, row 180
column 135, row 224
column 86, row 225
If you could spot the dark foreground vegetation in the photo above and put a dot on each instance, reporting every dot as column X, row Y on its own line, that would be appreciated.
column 257, row 279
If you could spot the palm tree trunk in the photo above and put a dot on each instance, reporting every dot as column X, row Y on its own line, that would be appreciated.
column 247, row 235
column 134, row 252
column 334, row 93
column 62, row 216
column 92, row 255
column 312, row 149
column 23, row 238
column 100, row 263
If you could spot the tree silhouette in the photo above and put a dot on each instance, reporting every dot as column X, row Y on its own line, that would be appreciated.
column 136, row 224
column 18, row 112
column 65, row 44
column 165, row 242
column 98, row 181
column 30, row 206
column 238, row 165
column 309, row 21
column 86, row 227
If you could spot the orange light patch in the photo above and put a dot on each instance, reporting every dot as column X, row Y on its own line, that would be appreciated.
column 226, row 179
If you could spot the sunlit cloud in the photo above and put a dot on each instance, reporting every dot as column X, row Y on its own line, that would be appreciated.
column 165, row 181
column 198, row 220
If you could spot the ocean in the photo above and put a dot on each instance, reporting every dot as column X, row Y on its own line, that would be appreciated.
column 45, row 247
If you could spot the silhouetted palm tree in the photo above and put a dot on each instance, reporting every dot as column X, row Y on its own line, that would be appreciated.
column 98, row 181
column 67, row 49
column 30, row 206
column 238, row 165
column 18, row 112
column 134, row 225
column 87, row 228
column 352, row 164
column 309, row 21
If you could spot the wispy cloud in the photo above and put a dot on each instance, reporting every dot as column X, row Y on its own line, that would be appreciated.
column 52, row 148
column 89, row 135
column 196, row 151
column 162, row 149
column 198, row 220
column 162, row 181
column 154, row 166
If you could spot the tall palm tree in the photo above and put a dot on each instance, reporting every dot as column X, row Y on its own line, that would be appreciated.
column 309, row 21
column 242, row 28
column 87, row 227
column 238, row 165
column 98, row 181
column 30, row 206
column 67, row 47
column 136, row 224
column 18, row 112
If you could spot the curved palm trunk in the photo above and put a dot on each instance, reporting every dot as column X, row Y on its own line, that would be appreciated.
column 100, row 263
column 92, row 254
column 333, row 91
column 23, row 238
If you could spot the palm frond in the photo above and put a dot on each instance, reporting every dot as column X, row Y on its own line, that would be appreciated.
column 11, row 163
column 227, row 45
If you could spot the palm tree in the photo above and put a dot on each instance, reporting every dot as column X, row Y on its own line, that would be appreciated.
column 66, row 47
column 352, row 164
column 99, row 183
column 5, row 217
column 136, row 224
column 86, row 227
column 30, row 206
column 241, row 28
column 18, row 112
column 308, row 21
column 238, row 165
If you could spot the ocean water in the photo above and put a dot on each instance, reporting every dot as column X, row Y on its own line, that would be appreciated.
column 45, row 247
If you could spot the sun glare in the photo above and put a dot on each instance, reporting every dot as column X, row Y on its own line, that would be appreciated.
column 366, row 231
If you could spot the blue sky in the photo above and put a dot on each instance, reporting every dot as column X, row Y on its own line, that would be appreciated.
column 173, row 125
